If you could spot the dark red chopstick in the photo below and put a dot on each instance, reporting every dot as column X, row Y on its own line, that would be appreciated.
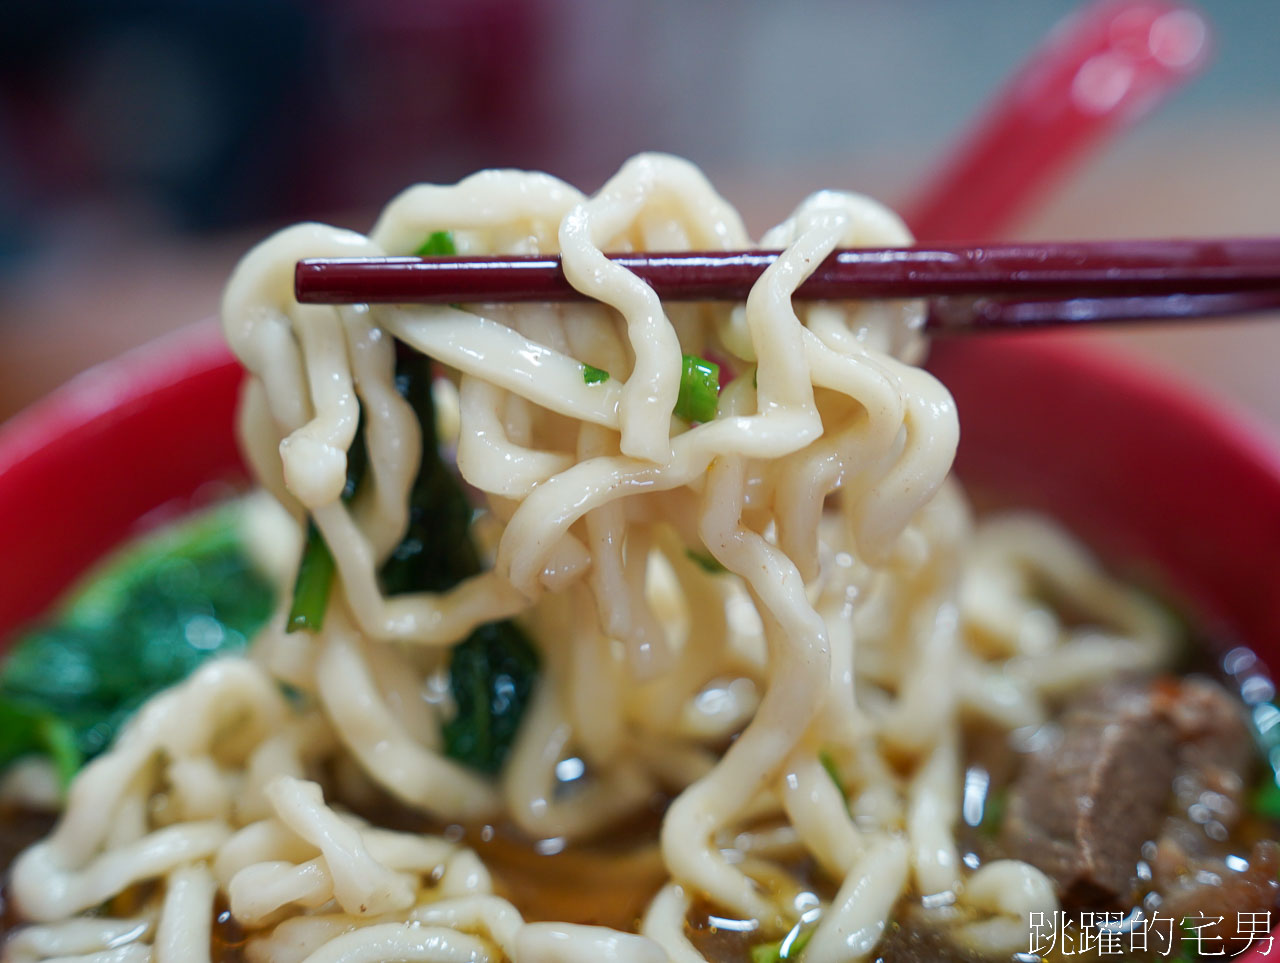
column 976, row 315
column 1104, row 269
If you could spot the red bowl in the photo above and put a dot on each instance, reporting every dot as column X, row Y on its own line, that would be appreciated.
column 1158, row 480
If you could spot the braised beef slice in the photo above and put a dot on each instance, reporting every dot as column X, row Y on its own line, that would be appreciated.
column 1082, row 807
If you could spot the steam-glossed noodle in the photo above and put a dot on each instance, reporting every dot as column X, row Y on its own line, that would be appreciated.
column 759, row 635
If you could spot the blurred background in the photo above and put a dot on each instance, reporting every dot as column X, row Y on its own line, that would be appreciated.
column 144, row 144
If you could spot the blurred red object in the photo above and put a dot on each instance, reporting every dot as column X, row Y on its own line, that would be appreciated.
column 132, row 440
column 1100, row 71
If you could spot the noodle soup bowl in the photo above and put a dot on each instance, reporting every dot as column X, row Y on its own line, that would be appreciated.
column 1168, row 487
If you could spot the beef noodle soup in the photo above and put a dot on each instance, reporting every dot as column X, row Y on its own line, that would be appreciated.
column 621, row 630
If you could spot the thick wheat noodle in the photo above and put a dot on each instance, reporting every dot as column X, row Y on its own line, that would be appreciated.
column 865, row 611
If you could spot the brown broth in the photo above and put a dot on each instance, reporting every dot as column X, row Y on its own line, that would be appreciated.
column 603, row 884
column 228, row 939
column 19, row 828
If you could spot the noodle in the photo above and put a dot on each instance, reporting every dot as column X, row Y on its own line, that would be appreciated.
column 865, row 613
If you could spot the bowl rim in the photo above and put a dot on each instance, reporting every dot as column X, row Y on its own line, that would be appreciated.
column 109, row 386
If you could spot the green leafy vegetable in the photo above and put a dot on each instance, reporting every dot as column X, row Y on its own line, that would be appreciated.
column 699, row 389
column 27, row 729
column 143, row 622
column 1266, row 799
column 437, row 244
column 312, row 585
column 788, row 948
column 493, row 671
column 436, row 552
column 708, row 563
column 491, row 677
column 594, row 376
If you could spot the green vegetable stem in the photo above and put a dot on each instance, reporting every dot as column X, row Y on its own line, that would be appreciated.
column 314, row 580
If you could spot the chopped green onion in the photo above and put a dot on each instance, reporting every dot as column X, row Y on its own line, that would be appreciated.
column 315, row 571
column 594, row 376
column 993, row 812
column 437, row 244
column 708, row 563
column 829, row 764
column 766, row 952
column 311, row 588
column 788, row 948
column 699, row 389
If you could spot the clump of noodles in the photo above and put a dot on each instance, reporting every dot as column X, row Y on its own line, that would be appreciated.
column 864, row 618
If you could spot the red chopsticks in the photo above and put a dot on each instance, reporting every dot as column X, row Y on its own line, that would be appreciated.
column 1018, row 284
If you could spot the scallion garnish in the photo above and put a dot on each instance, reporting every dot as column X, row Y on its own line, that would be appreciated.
column 707, row 562
column 311, row 587
column 829, row 764
column 437, row 244
column 699, row 389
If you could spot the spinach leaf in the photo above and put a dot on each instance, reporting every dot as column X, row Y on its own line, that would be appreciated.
column 492, row 672
column 31, row 730
column 436, row 552
column 142, row 623
column 491, row 677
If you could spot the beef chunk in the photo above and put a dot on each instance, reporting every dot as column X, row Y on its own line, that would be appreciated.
column 1082, row 806
column 1166, row 760
column 1206, row 888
